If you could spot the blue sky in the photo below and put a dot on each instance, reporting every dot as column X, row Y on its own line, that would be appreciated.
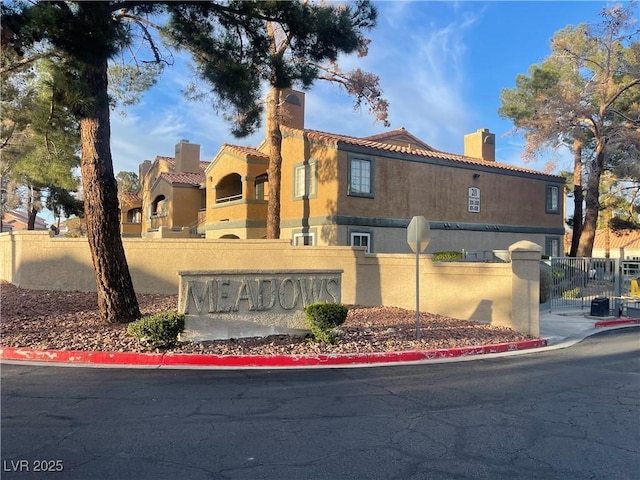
column 442, row 66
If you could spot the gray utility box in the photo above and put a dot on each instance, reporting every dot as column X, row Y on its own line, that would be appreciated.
column 600, row 307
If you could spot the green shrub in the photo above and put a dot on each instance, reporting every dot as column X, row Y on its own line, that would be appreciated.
column 573, row 293
column 447, row 256
column 545, row 285
column 558, row 273
column 323, row 319
column 157, row 331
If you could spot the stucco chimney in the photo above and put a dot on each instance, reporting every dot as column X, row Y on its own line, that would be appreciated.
column 481, row 144
column 292, row 109
column 143, row 169
column 187, row 157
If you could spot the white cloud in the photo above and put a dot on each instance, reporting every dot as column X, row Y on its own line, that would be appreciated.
column 418, row 54
column 424, row 75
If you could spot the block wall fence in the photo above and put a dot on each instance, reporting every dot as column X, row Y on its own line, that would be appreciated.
column 502, row 294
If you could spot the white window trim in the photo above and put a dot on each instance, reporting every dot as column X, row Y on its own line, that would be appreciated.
column 310, row 172
column 357, row 191
column 353, row 235
column 549, row 207
column 310, row 235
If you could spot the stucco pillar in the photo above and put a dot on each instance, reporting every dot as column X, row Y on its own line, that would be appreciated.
column 248, row 187
column 525, row 287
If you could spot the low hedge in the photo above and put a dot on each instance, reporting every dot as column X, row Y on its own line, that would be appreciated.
column 157, row 331
column 447, row 256
column 324, row 318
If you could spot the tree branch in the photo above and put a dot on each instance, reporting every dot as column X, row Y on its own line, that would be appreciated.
column 628, row 119
column 25, row 62
column 620, row 92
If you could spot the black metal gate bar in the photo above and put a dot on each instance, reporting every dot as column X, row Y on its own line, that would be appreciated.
column 575, row 282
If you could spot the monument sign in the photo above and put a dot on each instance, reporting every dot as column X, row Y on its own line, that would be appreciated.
column 235, row 304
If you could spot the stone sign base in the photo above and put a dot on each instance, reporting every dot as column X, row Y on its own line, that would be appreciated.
column 201, row 328
column 220, row 305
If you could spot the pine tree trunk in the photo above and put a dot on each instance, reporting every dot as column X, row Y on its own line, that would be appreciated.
column 274, row 139
column 116, row 297
column 577, row 197
column 592, row 202
column 31, row 209
column 31, row 221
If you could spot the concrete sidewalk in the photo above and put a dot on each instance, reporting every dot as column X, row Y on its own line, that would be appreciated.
column 569, row 325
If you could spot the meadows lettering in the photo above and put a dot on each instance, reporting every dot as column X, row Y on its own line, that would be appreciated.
column 231, row 304
column 220, row 295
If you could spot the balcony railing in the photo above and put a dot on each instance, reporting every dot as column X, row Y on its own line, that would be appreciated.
column 230, row 198
column 195, row 228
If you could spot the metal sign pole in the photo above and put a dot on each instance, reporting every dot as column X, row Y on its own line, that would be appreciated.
column 417, row 295
column 418, row 239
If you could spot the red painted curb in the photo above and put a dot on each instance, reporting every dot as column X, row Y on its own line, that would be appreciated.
column 76, row 356
column 176, row 359
column 611, row 323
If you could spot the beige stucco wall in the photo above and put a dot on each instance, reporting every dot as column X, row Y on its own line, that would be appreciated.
column 246, row 217
column 402, row 188
column 148, row 182
column 190, row 201
column 478, row 291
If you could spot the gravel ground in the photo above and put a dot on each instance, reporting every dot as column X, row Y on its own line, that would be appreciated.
column 70, row 321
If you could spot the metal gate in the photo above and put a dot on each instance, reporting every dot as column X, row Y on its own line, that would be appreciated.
column 629, row 270
column 575, row 282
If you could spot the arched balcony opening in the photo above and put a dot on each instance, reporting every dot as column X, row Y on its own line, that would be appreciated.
column 159, row 206
column 134, row 215
column 229, row 188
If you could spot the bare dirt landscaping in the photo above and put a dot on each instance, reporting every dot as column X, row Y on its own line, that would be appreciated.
column 53, row 320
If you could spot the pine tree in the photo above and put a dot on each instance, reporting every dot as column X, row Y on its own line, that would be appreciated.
column 85, row 36
column 585, row 95
column 284, row 45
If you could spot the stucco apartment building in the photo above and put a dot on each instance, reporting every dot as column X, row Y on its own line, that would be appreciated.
column 342, row 190
column 171, row 198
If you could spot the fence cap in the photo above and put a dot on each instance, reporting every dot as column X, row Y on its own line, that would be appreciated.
column 525, row 246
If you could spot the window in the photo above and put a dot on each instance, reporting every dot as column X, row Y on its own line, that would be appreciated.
column 359, row 239
column 553, row 247
column 260, row 183
column 304, row 239
column 553, row 199
column 134, row 215
column 305, row 180
column 360, row 178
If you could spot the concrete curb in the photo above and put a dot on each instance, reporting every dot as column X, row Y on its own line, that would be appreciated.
column 255, row 361
column 188, row 360
column 613, row 323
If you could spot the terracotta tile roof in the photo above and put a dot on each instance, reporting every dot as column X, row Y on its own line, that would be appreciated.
column 131, row 198
column 367, row 142
column 618, row 240
column 184, row 178
column 172, row 162
column 388, row 137
column 244, row 150
column 21, row 219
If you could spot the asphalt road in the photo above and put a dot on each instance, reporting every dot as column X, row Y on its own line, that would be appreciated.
column 570, row 414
